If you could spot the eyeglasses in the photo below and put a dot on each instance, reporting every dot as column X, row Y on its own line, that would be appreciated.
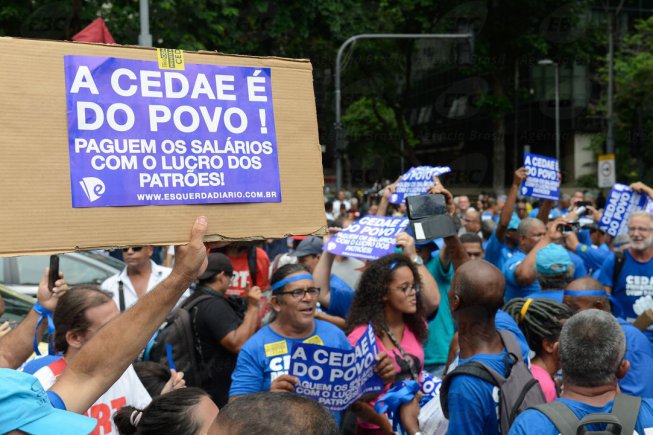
column 133, row 248
column 409, row 289
column 638, row 229
column 300, row 293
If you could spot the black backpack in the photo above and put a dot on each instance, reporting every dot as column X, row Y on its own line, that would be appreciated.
column 621, row 420
column 178, row 331
column 518, row 391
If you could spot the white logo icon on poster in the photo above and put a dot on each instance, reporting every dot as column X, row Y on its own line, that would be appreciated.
column 93, row 187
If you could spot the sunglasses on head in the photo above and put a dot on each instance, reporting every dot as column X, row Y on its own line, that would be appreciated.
column 133, row 248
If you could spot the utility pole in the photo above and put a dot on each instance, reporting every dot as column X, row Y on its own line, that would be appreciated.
column 145, row 38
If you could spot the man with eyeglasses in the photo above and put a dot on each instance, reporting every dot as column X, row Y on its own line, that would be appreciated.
column 635, row 280
column 221, row 326
column 140, row 275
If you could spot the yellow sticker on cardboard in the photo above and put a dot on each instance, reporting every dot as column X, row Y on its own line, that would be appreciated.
column 278, row 348
column 314, row 340
column 170, row 59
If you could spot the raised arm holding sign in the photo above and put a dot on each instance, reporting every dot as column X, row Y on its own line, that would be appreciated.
column 543, row 177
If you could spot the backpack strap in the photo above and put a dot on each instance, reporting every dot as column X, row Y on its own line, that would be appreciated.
column 251, row 263
column 562, row 417
column 619, row 261
column 472, row 368
column 191, row 302
column 121, row 296
column 626, row 408
column 511, row 344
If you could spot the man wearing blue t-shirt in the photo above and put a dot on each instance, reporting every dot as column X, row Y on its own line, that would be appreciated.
column 503, row 242
column 586, row 293
column 592, row 348
column 475, row 296
column 635, row 281
column 520, row 269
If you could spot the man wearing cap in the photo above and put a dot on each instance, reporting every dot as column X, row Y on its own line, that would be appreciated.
column 585, row 293
column 553, row 271
column 221, row 327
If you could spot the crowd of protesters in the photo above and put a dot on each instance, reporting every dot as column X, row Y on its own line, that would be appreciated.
column 519, row 284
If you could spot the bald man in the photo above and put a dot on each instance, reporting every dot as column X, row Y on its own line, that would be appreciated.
column 475, row 296
column 585, row 293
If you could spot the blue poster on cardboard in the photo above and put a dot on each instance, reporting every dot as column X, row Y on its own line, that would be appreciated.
column 417, row 181
column 621, row 202
column 334, row 377
column 368, row 238
column 542, row 181
column 140, row 135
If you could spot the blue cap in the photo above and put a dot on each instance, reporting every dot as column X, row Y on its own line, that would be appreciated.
column 514, row 222
column 552, row 259
column 25, row 406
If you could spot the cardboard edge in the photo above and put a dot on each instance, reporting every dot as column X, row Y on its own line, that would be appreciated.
column 322, row 231
column 140, row 47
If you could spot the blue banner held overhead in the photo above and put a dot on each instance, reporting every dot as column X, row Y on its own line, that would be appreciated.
column 543, row 180
column 368, row 238
column 139, row 135
column 336, row 378
column 621, row 202
column 417, row 181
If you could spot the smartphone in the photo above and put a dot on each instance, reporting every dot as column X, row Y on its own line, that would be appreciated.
column 53, row 276
column 422, row 206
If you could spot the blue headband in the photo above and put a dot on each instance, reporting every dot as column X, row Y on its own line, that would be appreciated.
column 586, row 293
column 277, row 285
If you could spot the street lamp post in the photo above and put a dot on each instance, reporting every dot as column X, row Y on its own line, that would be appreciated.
column 546, row 62
column 338, row 125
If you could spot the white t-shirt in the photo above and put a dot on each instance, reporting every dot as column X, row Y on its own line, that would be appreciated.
column 128, row 390
column 158, row 274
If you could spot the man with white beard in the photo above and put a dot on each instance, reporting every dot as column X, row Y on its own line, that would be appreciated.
column 634, row 283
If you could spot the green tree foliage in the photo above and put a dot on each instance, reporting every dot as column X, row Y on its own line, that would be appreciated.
column 633, row 105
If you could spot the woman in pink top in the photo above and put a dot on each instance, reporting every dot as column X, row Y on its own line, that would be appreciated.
column 541, row 321
column 388, row 296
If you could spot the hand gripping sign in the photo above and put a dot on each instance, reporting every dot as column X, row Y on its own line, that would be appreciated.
column 621, row 202
column 336, row 378
column 140, row 135
column 543, row 181
column 417, row 181
column 369, row 238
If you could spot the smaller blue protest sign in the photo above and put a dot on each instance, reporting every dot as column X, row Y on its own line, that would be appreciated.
column 368, row 238
column 542, row 181
column 334, row 377
column 621, row 202
column 417, row 181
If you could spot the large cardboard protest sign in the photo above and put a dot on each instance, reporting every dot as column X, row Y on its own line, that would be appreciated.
column 543, row 180
column 105, row 146
column 621, row 202
column 336, row 378
column 417, row 181
column 368, row 238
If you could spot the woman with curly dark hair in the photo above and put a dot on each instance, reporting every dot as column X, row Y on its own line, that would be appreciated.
column 388, row 295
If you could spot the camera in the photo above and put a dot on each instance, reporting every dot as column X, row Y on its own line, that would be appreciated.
column 569, row 227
